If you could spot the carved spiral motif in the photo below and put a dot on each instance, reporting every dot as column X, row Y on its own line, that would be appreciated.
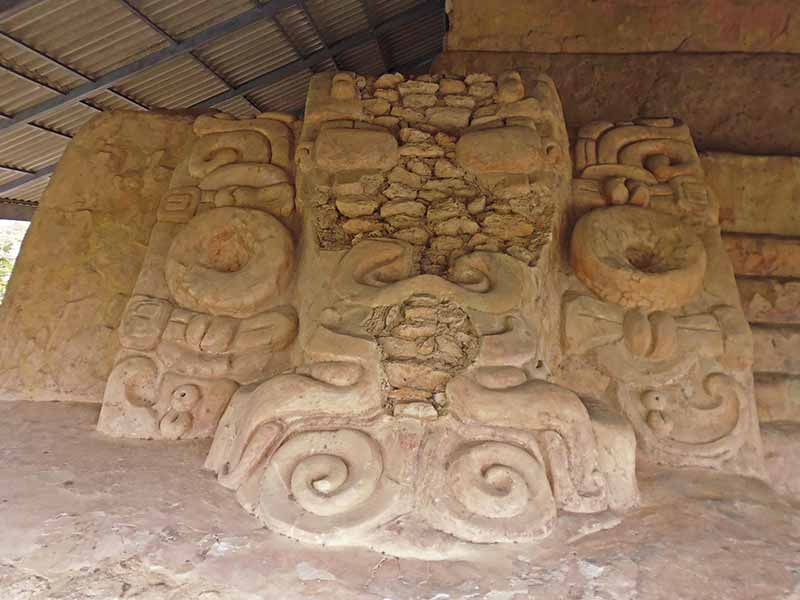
column 496, row 480
column 488, row 492
column 328, row 472
column 175, row 424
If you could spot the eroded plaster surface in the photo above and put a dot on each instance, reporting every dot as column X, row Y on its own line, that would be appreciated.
column 419, row 319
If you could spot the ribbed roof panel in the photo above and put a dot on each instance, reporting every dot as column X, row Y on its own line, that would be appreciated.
column 238, row 107
column 30, row 148
column 415, row 41
column 287, row 95
column 9, row 175
column 248, row 52
column 18, row 93
column 28, row 63
column 383, row 10
column 365, row 59
column 93, row 36
column 301, row 31
column 108, row 101
column 184, row 18
column 30, row 192
column 68, row 120
column 176, row 83
column 337, row 20
column 325, row 65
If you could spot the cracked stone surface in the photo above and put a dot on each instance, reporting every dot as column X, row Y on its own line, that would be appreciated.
column 85, row 516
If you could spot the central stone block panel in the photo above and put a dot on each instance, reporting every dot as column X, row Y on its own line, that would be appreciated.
column 433, row 212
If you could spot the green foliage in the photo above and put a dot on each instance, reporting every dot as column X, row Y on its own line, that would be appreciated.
column 11, row 234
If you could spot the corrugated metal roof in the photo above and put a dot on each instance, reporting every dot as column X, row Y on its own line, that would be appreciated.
column 301, row 31
column 30, row 148
column 249, row 52
column 238, row 107
column 108, row 101
column 19, row 94
column 408, row 45
column 183, row 18
column 68, row 120
column 7, row 175
column 177, row 83
column 386, row 9
column 27, row 62
column 365, row 59
column 93, row 36
column 31, row 192
column 53, row 46
column 337, row 20
column 288, row 94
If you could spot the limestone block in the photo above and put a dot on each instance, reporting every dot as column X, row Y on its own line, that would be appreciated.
column 83, row 252
column 502, row 150
column 776, row 349
column 757, row 194
column 767, row 300
column 763, row 256
column 355, row 150
column 781, row 455
column 778, row 397
column 633, row 26
column 700, row 89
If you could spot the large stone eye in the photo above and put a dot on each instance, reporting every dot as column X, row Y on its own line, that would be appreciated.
column 509, row 150
column 340, row 150
column 634, row 256
column 230, row 261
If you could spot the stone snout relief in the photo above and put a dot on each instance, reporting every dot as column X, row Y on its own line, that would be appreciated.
column 373, row 314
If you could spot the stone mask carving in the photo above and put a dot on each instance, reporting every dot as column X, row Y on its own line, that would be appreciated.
column 385, row 315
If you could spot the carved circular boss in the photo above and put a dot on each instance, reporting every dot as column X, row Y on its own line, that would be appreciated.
column 230, row 261
column 636, row 257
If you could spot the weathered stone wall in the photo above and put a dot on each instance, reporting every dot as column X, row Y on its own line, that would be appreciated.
column 734, row 102
column 82, row 255
column 624, row 26
column 760, row 217
column 729, row 69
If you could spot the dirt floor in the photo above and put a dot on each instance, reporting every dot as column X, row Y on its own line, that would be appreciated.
column 83, row 516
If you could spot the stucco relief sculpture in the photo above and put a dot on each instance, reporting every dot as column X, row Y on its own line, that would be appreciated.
column 211, row 310
column 400, row 315
column 661, row 318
